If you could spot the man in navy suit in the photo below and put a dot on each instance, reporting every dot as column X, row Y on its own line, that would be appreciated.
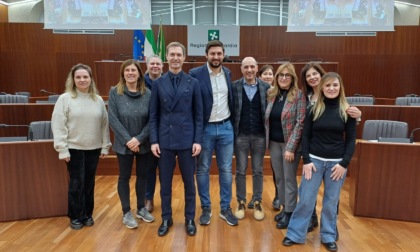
column 216, row 89
column 176, row 130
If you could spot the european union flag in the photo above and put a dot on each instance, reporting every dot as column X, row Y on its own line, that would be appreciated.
column 138, row 45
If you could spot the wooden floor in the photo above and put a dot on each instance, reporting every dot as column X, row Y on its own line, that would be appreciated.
column 109, row 234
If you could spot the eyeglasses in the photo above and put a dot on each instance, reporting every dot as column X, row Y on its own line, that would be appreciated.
column 286, row 76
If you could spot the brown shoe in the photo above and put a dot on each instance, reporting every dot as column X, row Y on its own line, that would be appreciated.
column 149, row 205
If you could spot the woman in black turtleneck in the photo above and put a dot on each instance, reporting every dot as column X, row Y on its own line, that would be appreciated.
column 328, row 142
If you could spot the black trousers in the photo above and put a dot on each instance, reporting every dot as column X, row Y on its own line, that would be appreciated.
column 82, row 170
column 151, row 179
column 187, row 166
column 144, row 163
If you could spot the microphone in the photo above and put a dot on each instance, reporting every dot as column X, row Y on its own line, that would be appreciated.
column 316, row 60
column 121, row 55
column 412, row 135
column 48, row 92
column 31, row 133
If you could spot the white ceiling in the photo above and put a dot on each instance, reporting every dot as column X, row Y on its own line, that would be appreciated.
column 417, row 2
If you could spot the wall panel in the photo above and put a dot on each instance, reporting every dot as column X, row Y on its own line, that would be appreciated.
column 387, row 65
column 4, row 14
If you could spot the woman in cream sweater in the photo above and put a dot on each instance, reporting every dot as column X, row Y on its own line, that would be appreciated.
column 81, row 136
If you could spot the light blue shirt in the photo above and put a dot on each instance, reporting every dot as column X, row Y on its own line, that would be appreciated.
column 250, row 90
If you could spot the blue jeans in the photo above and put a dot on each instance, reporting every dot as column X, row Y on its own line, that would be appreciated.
column 255, row 145
column 218, row 137
column 308, row 191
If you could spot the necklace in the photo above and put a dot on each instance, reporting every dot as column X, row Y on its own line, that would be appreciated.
column 281, row 96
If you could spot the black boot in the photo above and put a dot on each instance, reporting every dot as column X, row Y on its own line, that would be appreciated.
column 284, row 222
column 280, row 215
column 314, row 220
column 338, row 235
column 311, row 225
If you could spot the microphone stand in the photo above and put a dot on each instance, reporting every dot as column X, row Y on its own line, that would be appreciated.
column 123, row 56
column 47, row 92
column 29, row 137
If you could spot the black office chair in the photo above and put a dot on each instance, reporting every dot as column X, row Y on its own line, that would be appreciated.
column 40, row 130
column 406, row 101
column 226, row 58
column 360, row 100
column 374, row 129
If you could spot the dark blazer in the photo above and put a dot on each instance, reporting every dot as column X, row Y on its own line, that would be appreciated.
column 237, row 87
column 176, row 119
column 201, row 73
column 292, row 118
column 147, row 81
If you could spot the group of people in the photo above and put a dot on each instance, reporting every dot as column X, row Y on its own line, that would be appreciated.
column 158, row 119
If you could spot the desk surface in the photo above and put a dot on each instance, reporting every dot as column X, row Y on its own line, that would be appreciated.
column 385, row 180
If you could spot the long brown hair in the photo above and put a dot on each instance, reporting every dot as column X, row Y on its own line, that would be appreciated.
column 140, row 81
column 306, row 88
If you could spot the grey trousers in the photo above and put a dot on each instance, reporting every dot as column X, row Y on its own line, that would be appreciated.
column 255, row 145
column 285, row 173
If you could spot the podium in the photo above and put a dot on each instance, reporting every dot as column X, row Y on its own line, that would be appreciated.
column 33, row 181
column 384, row 181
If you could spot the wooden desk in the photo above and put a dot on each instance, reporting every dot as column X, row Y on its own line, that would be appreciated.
column 384, row 182
column 33, row 181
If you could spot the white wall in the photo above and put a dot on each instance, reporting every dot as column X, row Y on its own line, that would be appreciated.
column 406, row 15
column 33, row 12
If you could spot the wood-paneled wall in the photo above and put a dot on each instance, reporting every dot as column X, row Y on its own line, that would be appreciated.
column 386, row 66
column 4, row 13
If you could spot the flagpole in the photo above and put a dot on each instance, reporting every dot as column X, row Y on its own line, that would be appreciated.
column 161, row 42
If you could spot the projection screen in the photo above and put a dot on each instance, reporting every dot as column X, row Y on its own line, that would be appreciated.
column 97, row 14
column 340, row 15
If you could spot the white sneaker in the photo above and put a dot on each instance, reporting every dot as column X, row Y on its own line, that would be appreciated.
column 129, row 221
column 240, row 211
column 145, row 215
column 258, row 210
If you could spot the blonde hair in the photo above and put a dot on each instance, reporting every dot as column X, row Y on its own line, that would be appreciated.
column 293, row 90
column 71, row 85
column 140, row 81
column 319, row 107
